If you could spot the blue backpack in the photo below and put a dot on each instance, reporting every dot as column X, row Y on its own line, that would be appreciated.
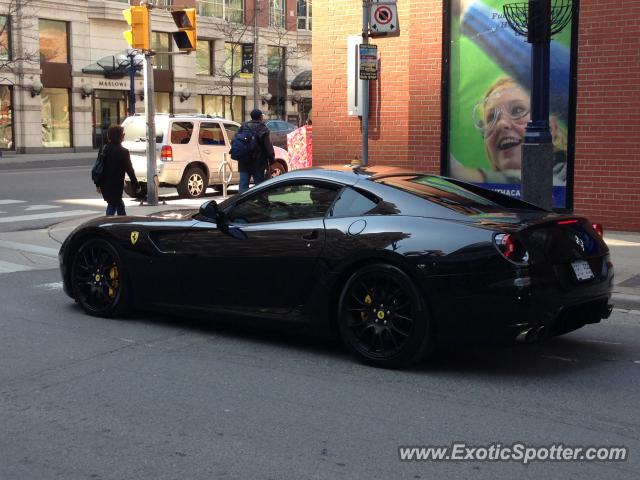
column 244, row 145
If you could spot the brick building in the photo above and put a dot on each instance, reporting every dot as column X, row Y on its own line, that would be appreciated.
column 410, row 103
column 61, row 81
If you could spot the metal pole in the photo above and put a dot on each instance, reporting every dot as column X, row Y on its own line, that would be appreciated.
column 132, row 87
column 537, row 151
column 365, row 92
column 150, row 113
column 256, row 70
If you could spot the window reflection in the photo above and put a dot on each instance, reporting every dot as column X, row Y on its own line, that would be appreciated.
column 220, row 106
column 6, row 118
column 53, row 41
column 56, row 123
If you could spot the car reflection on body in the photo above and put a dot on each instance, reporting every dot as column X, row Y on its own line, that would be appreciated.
column 396, row 262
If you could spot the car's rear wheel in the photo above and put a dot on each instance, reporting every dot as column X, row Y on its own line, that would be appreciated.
column 193, row 184
column 383, row 318
column 276, row 169
column 129, row 190
column 98, row 282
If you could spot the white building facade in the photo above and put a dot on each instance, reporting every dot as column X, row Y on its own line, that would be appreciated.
column 65, row 74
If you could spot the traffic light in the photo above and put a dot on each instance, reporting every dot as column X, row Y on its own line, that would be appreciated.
column 138, row 36
column 185, row 38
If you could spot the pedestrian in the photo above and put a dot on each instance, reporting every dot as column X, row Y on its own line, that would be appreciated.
column 117, row 162
column 262, row 156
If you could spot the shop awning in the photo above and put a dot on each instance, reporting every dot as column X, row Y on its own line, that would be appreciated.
column 116, row 65
column 302, row 81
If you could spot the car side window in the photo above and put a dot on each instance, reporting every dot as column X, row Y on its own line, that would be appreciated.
column 231, row 131
column 181, row 132
column 352, row 203
column 284, row 203
column 210, row 134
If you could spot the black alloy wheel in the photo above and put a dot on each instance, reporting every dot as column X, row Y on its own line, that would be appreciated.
column 97, row 280
column 383, row 318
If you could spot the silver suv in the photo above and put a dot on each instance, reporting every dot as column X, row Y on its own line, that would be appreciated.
column 189, row 152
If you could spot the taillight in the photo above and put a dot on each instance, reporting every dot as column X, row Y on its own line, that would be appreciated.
column 166, row 154
column 598, row 228
column 511, row 248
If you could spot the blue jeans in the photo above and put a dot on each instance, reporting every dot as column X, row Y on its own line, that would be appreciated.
column 116, row 207
column 258, row 177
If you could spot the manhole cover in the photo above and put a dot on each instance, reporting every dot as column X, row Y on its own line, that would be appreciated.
column 631, row 282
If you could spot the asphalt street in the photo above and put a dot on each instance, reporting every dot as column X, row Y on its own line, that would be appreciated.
column 169, row 398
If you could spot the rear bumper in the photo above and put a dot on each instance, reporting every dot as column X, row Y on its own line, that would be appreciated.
column 500, row 309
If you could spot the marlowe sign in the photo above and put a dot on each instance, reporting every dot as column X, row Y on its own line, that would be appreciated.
column 383, row 18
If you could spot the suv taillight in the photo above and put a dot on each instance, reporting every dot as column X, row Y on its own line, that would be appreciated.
column 166, row 154
column 511, row 248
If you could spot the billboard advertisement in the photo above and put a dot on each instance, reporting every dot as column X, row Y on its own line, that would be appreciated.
column 489, row 99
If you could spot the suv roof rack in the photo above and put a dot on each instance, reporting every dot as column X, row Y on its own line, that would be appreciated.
column 196, row 115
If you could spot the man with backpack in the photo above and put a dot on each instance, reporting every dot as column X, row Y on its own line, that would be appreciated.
column 252, row 149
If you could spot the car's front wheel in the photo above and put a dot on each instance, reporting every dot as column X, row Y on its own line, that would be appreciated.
column 193, row 184
column 383, row 318
column 129, row 190
column 98, row 282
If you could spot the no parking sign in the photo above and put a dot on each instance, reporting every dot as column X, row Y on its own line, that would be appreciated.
column 384, row 19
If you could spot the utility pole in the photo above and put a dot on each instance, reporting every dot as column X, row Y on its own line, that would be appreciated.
column 131, row 54
column 150, row 114
column 365, row 94
column 256, row 70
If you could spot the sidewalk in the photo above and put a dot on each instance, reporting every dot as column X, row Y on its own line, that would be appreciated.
column 21, row 158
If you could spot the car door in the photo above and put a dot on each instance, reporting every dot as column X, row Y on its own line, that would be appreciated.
column 264, row 257
column 212, row 147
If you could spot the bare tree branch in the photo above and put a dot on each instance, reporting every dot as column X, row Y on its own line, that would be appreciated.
column 17, row 22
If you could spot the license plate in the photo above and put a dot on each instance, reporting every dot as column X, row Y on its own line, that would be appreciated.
column 582, row 270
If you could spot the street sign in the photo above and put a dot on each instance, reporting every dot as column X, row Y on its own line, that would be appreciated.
column 368, row 62
column 384, row 19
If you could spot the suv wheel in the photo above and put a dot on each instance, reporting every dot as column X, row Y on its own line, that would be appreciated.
column 193, row 184
column 129, row 190
column 276, row 169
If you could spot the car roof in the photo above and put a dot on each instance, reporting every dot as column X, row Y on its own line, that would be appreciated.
column 187, row 116
column 350, row 174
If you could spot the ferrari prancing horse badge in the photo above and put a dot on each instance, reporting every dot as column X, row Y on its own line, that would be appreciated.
column 134, row 237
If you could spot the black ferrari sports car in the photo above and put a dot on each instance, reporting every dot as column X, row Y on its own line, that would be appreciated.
column 395, row 262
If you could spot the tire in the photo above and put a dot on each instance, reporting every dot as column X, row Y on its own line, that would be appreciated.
column 98, row 282
column 130, row 191
column 276, row 169
column 382, row 318
column 193, row 183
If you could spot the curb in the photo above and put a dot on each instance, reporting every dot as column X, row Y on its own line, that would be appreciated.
column 625, row 301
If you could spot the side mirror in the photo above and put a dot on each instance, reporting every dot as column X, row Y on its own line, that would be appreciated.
column 210, row 210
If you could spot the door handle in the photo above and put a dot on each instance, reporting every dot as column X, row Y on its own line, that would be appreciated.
column 206, row 151
column 313, row 235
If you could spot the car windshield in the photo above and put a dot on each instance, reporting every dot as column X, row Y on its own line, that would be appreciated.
column 135, row 129
column 446, row 193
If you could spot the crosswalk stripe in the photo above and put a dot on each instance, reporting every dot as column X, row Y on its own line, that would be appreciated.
column 32, row 208
column 11, row 202
column 42, row 216
column 8, row 267
column 25, row 247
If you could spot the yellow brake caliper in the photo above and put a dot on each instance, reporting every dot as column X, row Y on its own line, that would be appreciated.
column 365, row 315
column 113, row 275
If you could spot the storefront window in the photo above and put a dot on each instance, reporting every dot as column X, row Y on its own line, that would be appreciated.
column 56, row 121
column 220, row 106
column 6, row 118
column 109, row 108
column 160, row 42
column 277, row 79
column 5, row 51
column 204, row 57
column 163, row 102
column 54, row 41
column 232, row 58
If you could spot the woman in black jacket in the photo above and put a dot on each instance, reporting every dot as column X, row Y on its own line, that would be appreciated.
column 117, row 162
